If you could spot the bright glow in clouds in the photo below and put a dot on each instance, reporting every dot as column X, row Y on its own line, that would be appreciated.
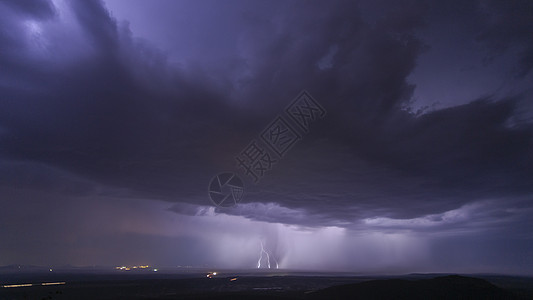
column 461, row 214
column 210, row 240
column 323, row 248
column 34, row 29
column 240, row 242
column 59, row 39
column 467, row 217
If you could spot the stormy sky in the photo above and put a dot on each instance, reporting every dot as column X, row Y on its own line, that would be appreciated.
column 115, row 115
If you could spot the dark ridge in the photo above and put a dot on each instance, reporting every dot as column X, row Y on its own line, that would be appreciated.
column 446, row 287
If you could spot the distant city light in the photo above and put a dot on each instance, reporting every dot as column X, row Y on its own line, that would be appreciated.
column 53, row 283
column 128, row 268
column 32, row 284
column 17, row 285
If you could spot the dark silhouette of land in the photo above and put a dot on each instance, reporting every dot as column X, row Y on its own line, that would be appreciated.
column 90, row 283
column 446, row 287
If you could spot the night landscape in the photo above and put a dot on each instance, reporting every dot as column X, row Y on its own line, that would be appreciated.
column 243, row 149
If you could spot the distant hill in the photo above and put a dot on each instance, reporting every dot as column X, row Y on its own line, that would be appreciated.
column 446, row 287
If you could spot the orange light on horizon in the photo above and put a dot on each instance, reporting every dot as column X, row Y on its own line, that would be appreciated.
column 17, row 285
column 53, row 283
column 32, row 284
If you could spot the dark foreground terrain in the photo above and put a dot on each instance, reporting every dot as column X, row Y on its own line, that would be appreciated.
column 194, row 284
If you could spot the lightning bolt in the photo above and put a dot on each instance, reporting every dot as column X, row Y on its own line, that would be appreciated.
column 277, row 266
column 267, row 257
column 261, row 256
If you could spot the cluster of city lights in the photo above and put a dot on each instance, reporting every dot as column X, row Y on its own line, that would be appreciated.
column 128, row 268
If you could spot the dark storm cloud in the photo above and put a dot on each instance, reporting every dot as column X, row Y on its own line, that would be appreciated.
column 40, row 9
column 97, row 24
column 122, row 116
column 450, row 157
column 509, row 26
column 467, row 145
column 107, row 120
